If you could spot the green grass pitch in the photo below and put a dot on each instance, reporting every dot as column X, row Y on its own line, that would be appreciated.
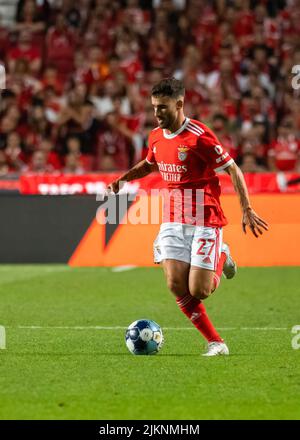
column 86, row 373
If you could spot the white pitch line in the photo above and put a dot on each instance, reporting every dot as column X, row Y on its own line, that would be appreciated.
column 76, row 327
column 97, row 327
column 263, row 328
column 2, row 338
column 123, row 268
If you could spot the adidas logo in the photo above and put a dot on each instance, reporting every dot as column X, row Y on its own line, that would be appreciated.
column 194, row 316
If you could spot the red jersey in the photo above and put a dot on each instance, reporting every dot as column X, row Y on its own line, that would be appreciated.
column 189, row 159
column 30, row 54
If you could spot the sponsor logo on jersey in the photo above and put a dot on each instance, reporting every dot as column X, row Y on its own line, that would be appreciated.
column 182, row 152
column 171, row 167
column 171, row 172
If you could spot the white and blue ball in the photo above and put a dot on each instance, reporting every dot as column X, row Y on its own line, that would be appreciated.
column 144, row 337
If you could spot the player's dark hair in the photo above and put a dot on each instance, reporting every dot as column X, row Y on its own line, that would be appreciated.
column 171, row 87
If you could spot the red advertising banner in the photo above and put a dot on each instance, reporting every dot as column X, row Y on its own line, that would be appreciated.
column 9, row 185
column 52, row 184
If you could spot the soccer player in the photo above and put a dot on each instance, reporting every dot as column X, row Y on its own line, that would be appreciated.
column 193, row 255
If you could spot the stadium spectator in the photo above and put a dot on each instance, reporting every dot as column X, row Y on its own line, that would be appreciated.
column 104, row 102
column 252, row 143
column 160, row 51
column 73, row 146
column 4, row 39
column 60, row 47
column 249, row 164
column 96, row 68
column 38, row 164
column 284, row 153
column 51, row 78
column 26, row 50
column 52, row 158
column 14, row 154
column 7, row 126
column 113, row 148
column 4, row 168
column 72, row 165
column 32, row 16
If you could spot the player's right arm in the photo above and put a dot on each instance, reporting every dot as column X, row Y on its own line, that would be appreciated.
column 141, row 169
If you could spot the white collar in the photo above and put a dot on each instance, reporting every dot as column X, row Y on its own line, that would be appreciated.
column 172, row 135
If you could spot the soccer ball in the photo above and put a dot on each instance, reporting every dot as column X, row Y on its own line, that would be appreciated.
column 144, row 337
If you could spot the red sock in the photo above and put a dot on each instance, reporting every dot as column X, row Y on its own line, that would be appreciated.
column 219, row 270
column 195, row 311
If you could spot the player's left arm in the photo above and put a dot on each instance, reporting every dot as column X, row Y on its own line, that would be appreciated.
column 250, row 218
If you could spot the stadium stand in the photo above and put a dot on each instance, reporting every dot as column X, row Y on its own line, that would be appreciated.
column 79, row 76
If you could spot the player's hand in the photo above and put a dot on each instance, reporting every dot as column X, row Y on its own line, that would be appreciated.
column 115, row 186
column 256, row 224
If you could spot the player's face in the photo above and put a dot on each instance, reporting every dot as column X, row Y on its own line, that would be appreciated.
column 165, row 110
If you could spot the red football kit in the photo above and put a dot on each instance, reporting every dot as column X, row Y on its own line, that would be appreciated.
column 189, row 159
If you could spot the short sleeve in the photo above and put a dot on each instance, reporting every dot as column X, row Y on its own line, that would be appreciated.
column 215, row 155
column 150, row 155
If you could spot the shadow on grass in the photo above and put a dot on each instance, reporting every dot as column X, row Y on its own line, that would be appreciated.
column 129, row 355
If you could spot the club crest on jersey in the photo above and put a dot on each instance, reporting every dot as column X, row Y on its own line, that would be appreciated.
column 182, row 152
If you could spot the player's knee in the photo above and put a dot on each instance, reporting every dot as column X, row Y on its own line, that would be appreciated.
column 176, row 287
column 201, row 292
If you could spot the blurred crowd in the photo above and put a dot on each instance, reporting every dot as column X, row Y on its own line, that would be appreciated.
column 79, row 75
